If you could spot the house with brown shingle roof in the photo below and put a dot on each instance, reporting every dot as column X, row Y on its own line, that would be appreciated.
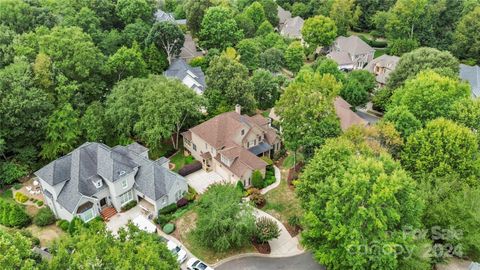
column 354, row 48
column 231, row 144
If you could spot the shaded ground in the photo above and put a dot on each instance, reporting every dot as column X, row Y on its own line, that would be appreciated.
column 454, row 264
column 46, row 234
column 282, row 202
column 303, row 262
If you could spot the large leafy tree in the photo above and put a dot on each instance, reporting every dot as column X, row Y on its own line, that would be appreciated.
column 219, row 29
column 24, row 108
column 294, row 56
column 96, row 247
column 430, row 95
column 246, row 25
column 249, row 51
column 6, row 49
column 168, row 37
column 130, row 10
column 466, row 43
column 406, row 18
column 357, row 87
column 271, row 13
column 228, row 84
column 404, row 121
column 195, row 10
column 93, row 123
column 127, row 62
column 224, row 222
column 306, row 110
column 354, row 199
column 319, row 31
column 256, row 13
column 345, row 14
column 63, row 132
column 167, row 105
column 467, row 112
column 266, row 88
column 16, row 14
column 441, row 148
column 271, row 59
column 412, row 63
column 17, row 253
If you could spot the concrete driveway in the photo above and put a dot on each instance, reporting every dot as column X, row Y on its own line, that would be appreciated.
column 200, row 180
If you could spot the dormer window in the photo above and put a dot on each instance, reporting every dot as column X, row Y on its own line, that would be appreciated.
column 98, row 183
column 225, row 160
column 124, row 183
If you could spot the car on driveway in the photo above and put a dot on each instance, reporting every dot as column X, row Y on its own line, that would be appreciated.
column 196, row 264
column 177, row 251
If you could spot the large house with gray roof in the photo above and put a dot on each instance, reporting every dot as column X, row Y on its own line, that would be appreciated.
column 192, row 77
column 471, row 74
column 351, row 53
column 95, row 177
column 381, row 67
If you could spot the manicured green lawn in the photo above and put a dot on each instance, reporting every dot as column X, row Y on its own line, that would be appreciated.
column 288, row 161
column 380, row 52
column 180, row 160
column 282, row 202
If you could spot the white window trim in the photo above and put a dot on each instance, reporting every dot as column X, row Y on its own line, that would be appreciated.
column 124, row 183
column 82, row 215
column 128, row 200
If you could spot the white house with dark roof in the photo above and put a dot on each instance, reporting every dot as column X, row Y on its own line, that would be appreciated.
column 192, row 77
column 471, row 74
column 351, row 52
column 95, row 177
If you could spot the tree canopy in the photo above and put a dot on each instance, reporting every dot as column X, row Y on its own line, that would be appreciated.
column 319, row 31
column 219, row 29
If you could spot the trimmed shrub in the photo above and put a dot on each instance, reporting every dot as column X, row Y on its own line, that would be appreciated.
column 129, row 205
column 17, row 186
column 266, row 230
column 190, row 168
column 258, row 198
column 168, row 209
column 191, row 194
column 168, row 228
column 240, row 186
column 63, row 224
column 39, row 203
column 28, row 234
column 20, row 197
column 269, row 180
column 294, row 221
column 182, row 202
column 44, row 217
column 75, row 225
column 164, row 219
column 257, row 179
column 189, row 160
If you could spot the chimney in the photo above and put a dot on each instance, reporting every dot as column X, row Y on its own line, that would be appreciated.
column 238, row 109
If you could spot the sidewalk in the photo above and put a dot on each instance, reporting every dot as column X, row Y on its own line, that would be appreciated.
column 285, row 245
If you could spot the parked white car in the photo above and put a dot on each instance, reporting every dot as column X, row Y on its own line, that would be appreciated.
column 177, row 251
column 196, row 264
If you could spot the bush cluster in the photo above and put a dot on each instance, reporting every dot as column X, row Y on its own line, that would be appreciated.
column 129, row 205
column 257, row 198
column 191, row 194
column 44, row 217
column 168, row 209
column 169, row 228
column 63, row 224
column 12, row 215
column 266, row 230
column 20, row 197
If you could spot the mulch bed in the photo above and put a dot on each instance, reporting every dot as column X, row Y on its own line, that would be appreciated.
column 262, row 248
column 293, row 231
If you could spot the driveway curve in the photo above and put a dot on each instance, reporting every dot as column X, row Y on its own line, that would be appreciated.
column 301, row 262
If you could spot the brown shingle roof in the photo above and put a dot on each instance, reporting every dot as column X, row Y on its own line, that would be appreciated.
column 243, row 160
column 347, row 117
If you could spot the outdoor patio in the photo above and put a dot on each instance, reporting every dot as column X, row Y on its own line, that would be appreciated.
column 143, row 208
column 32, row 189
column 200, row 180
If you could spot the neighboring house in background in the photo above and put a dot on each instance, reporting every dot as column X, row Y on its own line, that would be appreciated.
column 231, row 145
column 357, row 50
column 94, row 178
column 162, row 16
column 346, row 116
column 381, row 67
column 342, row 59
column 471, row 74
column 292, row 28
column 189, row 49
column 283, row 16
column 192, row 77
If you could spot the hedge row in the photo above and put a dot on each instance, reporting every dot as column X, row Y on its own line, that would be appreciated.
column 190, row 168
column 373, row 43
column 12, row 215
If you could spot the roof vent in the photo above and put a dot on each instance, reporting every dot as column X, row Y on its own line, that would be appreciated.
column 121, row 173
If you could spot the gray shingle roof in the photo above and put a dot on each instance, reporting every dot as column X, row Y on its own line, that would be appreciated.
column 341, row 58
column 353, row 45
column 189, row 49
column 192, row 77
column 162, row 16
column 137, row 148
column 471, row 74
column 93, row 162
column 293, row 27
column 283, row 15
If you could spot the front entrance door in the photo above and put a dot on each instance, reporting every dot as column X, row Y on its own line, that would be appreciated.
column 103, row 202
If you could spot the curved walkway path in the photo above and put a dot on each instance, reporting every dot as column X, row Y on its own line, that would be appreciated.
column 303, row 261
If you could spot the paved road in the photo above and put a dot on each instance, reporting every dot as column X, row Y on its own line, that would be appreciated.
column 299, row 262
